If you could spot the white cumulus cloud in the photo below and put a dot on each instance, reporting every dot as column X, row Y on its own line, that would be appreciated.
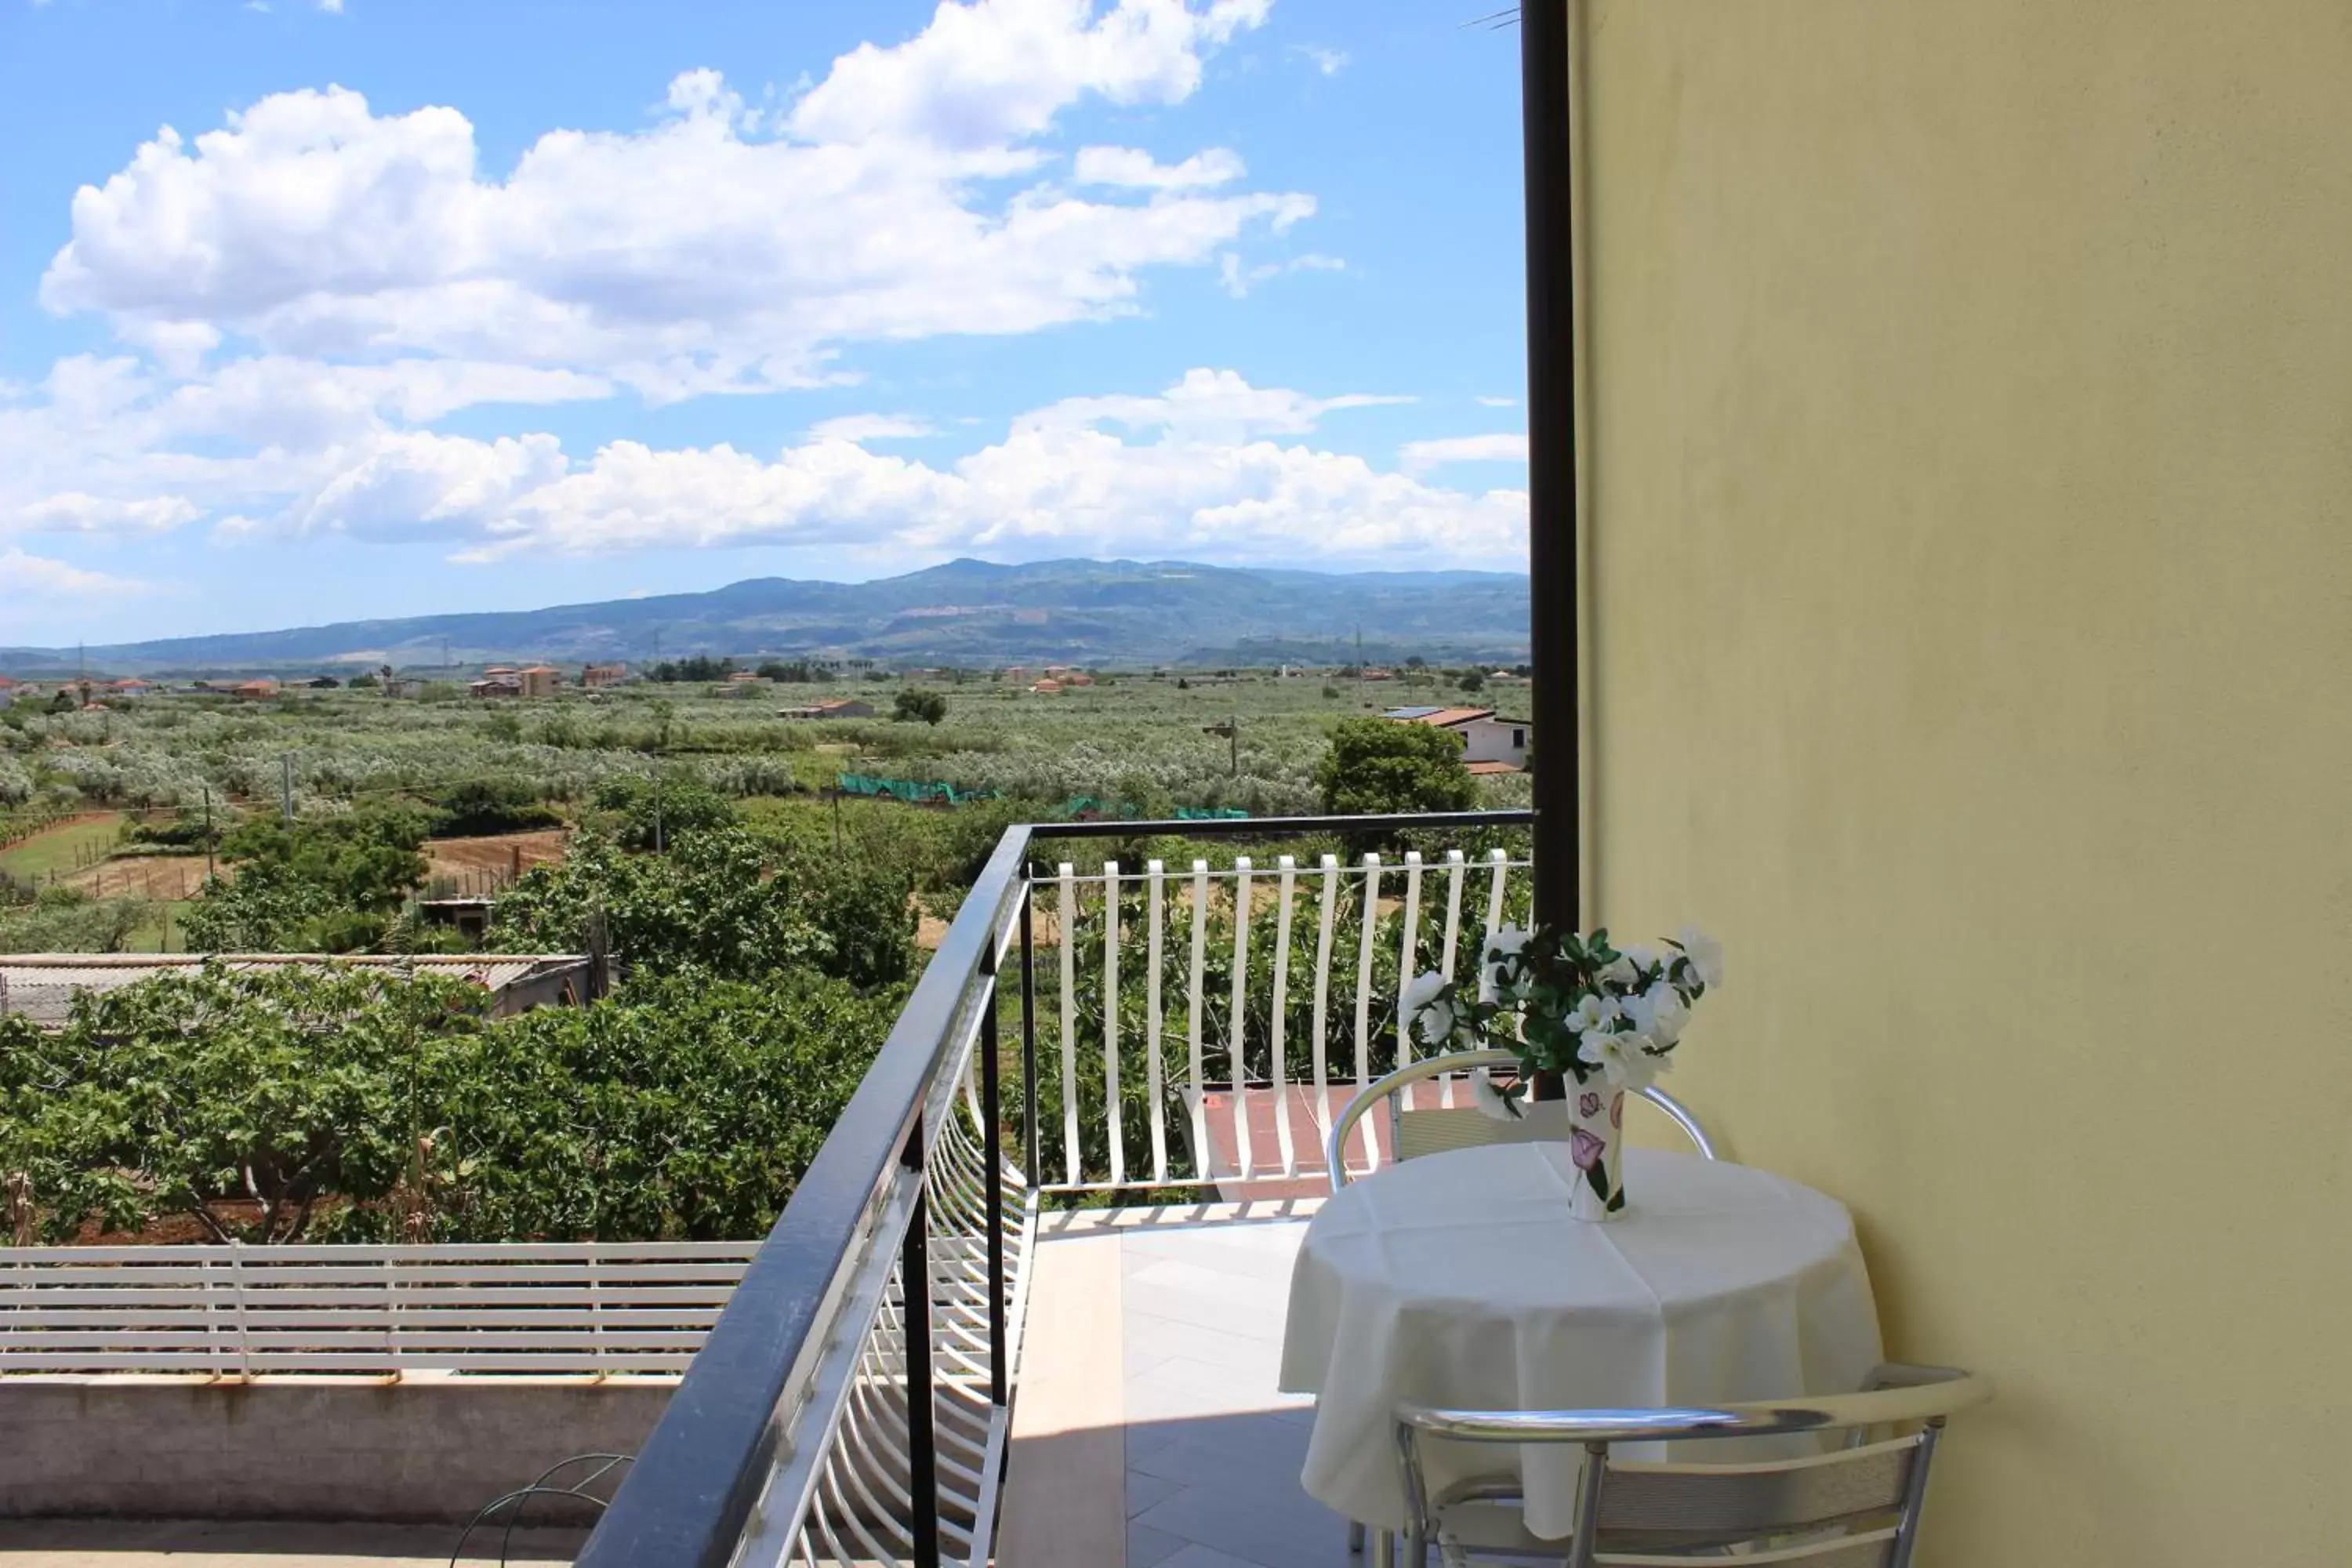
column 1210, row 465
column 988, row 74
column 413, row 484
column 905, row 194
column 1239, row 277
column 1205, row 405
column 73, row 511
column 31, row 579
column 1420, row 456
column 871, row 427
column 1133, row 166
column 300, row 296
column 1193, row 471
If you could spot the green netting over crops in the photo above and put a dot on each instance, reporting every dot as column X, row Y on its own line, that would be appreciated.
column 1087, row 806
column 914, row 792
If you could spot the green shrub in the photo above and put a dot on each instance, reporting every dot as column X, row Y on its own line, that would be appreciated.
column 324, row 884
column 648, row 812
column 186, row 830
column 721, row 902
column 62, row 920
column 1377, row 765
column 916, row 705
column 358, row 1105
column 478, row 807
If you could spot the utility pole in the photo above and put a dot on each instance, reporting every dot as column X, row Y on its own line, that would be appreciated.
column 1231, row 733
column 286, row 774
column 208, row 833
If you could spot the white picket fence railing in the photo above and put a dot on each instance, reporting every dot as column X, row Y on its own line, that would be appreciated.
column 510, row 1308
column 1251, row 1118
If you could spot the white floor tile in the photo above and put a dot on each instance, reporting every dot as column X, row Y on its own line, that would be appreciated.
column 1214, row 1448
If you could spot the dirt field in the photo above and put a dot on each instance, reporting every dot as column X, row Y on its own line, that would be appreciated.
column 179, row 877
column 170, row 876
column 931, row 928
column 505, row 853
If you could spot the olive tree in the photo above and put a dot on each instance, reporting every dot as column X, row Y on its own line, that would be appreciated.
column 1379, row 766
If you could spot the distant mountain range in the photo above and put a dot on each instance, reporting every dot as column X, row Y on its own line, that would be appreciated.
column 966, row 612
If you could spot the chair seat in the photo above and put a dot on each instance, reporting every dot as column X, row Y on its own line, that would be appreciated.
column 1842, row 1549
column 1855, row 1506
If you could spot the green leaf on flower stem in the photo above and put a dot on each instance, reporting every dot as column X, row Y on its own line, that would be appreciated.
column 1598, row 1179
column 1617, row 1200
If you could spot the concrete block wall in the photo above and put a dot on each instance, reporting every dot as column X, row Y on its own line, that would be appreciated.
column 422, row 1450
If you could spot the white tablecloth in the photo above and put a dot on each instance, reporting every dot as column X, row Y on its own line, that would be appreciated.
column 1460, row 1279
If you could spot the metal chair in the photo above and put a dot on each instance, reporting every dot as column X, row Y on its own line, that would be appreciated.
column 1414, row 1132
column 1855, row 1507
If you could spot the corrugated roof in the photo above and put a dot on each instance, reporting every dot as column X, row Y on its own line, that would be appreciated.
column 1484, row 769
column 1442, row 718
column 41, row 985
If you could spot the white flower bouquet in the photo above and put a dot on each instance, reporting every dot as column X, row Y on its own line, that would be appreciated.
column 1573, row 1008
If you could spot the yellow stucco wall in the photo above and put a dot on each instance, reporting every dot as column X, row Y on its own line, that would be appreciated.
column 1969, row 566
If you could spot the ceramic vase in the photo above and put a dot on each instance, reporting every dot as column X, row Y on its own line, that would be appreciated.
column 1596, row 1140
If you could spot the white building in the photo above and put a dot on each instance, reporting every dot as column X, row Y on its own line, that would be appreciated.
column 1489, row 744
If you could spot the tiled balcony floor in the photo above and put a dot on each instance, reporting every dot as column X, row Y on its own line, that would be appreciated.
column 1162, row 1387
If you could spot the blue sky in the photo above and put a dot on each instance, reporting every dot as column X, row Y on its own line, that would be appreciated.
column 420, row 306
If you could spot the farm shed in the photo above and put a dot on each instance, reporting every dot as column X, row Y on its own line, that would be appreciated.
column 1487, row 738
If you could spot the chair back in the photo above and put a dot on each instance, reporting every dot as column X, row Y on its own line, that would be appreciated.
column 1417, row 1127
column 1855, row 1507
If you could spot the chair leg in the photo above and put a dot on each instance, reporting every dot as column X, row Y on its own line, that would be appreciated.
column 1383, row 1553
column 1355, row 1539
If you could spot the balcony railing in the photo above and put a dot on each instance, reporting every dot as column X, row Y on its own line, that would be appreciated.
column 853, row 1403
column 596, row 1308
column 1247, row 991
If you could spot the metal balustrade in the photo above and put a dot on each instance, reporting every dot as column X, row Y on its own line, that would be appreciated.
column 595, row 1308
column 1344, row 938
column 851, row 1405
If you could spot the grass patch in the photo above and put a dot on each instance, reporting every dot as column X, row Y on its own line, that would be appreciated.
column 63, row 849
column 162, row 929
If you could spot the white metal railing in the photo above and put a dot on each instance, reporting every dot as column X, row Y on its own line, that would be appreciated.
column 514, row 1308
column 1248, row 1003
column 837, row 1412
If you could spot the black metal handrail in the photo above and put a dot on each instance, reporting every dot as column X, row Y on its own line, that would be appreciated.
column 694, row 1486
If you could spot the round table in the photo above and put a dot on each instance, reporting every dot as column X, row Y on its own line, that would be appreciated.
column 1460, row 1279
